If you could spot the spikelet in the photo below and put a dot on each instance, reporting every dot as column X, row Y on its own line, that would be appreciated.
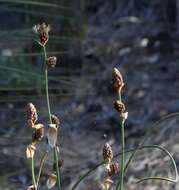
column 117, row 80
column 119, row 106
column 38, row 134
column 31, row 115
column 51, row 62
column 43, row 31
column 113, row 169
column 107, row 153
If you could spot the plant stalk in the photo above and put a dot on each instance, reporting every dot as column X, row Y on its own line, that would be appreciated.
column 33, row 172
column 120, row 184
column 50, row 119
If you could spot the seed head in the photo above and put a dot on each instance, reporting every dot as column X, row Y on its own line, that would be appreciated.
column 113, row 169
column 117, row 80
column 31, row 115
column 51, row 62
column 107, row 153
column 43, row 31
column 55, row 120
column 38, row 134
column 119, row 106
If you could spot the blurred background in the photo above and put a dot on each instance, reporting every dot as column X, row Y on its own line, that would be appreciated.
column 90, row 38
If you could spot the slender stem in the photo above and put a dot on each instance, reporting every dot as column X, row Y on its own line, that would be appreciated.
column 41, row 165
column 120, row 184
column 47, row 95
column 46, row 85
column 33, row 172
column 49, row 114
column 57, row 167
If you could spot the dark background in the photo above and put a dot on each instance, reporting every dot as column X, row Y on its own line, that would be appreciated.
column 89, row 38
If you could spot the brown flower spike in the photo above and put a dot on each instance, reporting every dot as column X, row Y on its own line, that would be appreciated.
column 43, row 31
column 31, row 115
column 117, row 80
column 107, row 153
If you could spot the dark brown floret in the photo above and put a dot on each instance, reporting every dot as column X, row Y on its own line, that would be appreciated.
column 119, row 106
column 107, row 153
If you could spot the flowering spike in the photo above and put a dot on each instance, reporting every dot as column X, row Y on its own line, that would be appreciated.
column 117, row 80
column 43, row 31
column 107, row 153
column 31, row 115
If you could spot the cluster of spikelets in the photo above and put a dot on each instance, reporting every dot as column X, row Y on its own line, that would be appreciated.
column 38, row 129
column 112, row 168
column 38, row 132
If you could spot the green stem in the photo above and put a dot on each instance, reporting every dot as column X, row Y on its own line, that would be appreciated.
column 57, row 167
column 46, row 85
column 41, row 165
column 33, row 172
column 49, row 114
column 120, row 184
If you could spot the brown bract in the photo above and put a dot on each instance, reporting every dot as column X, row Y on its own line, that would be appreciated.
column 38, row 133
column 31, row 188
column 30, row 151
column 52, row 135
column 52, row 179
